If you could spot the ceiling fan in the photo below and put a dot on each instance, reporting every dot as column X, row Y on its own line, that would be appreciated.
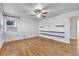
column 39, row 12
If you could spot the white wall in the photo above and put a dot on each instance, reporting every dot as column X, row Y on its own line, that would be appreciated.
column 78, row 27
column 73, row 28
column 1, row 31
column 1, row 24
column 63, row 19
column 25, row 28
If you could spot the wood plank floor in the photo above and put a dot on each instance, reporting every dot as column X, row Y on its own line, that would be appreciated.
column 38, row 46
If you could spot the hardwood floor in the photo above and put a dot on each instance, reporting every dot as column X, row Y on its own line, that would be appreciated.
column 38, row 46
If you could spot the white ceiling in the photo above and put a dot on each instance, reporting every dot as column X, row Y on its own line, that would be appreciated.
column 24, row 9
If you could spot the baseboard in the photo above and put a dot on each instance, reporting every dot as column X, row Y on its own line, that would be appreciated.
column 56, row 40
column 73, row 38
column 19, row 38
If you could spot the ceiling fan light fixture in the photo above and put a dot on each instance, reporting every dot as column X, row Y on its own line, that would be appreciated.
column 40, row 13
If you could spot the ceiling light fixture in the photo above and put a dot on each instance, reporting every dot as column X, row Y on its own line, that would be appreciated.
column 40, row 13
